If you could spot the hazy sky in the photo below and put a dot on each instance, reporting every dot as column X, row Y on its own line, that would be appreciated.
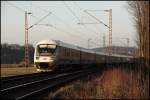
column 64, row 19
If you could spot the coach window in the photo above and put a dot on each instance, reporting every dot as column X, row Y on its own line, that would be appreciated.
column 76, row 52
column 69, row 52
column 72, row 52
column 64, row 51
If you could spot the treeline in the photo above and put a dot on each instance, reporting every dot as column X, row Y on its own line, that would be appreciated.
column 14, row 53
column 140, row 13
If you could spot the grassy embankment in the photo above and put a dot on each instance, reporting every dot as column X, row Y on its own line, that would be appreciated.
column 111, row 84
column 10, row 71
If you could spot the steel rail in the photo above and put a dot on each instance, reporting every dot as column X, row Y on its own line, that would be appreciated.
column 35, row 93
column 26, row 79
column 16, row 77
column 22, row 79
column 27, row 89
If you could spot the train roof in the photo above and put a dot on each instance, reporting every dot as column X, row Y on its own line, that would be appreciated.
column 60, row 43
column 46, row 42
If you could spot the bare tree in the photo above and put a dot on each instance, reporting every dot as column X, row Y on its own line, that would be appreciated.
column 140, row 12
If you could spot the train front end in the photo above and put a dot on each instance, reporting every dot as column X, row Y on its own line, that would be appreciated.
column 45, row 55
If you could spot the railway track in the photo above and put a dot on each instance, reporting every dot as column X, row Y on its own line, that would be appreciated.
column 29, row 86
column 8, row 82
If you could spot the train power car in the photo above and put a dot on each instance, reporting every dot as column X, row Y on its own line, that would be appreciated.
column 53, row 54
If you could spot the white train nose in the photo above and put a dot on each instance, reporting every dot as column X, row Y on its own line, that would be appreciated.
column 45, row 59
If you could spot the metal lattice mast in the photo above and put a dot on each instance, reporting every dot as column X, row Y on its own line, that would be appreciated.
column 27, row 61
column 110, row 31
column 26, row 41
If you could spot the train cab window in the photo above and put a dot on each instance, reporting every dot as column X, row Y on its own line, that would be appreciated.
column 46, row 49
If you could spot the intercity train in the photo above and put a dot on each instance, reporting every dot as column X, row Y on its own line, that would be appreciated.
column 50, row 55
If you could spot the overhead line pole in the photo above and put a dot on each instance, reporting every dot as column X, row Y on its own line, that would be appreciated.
column 110, row 30
column 110, row 26
column 27, row 62
column 26, row 40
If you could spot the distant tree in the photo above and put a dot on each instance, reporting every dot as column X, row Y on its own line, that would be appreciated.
column 14, row 53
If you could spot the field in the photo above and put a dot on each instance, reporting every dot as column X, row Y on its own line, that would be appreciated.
column 110, row 84
column 10, row 71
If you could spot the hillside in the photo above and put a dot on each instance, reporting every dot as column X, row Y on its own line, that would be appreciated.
column 118, row 50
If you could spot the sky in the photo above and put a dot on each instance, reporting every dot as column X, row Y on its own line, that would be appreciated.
column 63, row 18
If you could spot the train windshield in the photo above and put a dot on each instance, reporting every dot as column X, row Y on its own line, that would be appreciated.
column 46, row 49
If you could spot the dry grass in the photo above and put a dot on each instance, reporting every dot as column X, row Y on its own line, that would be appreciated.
column 112, row 84
column 10, row 71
